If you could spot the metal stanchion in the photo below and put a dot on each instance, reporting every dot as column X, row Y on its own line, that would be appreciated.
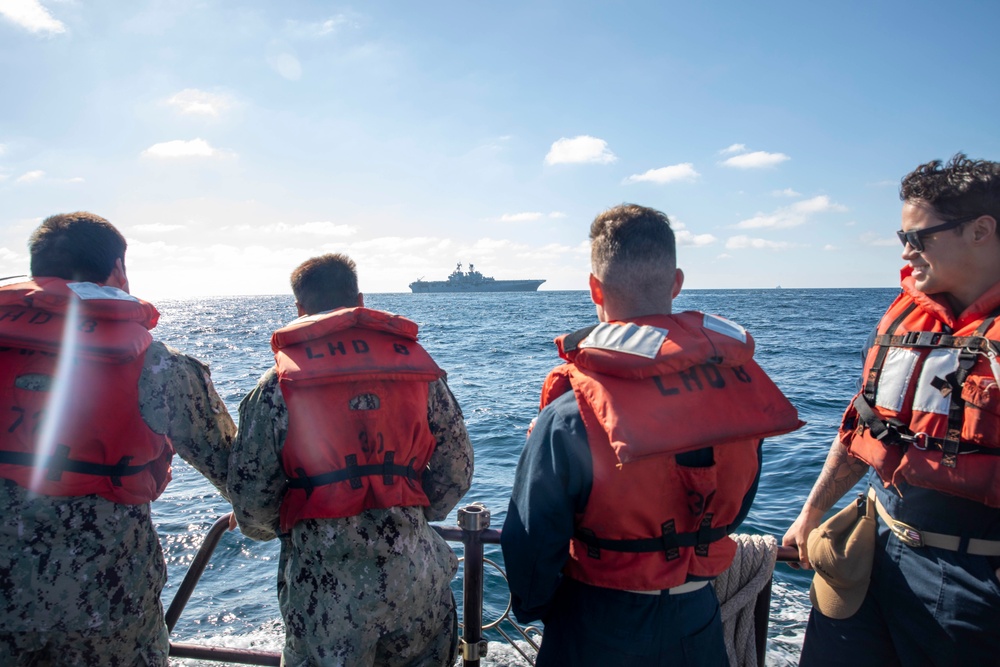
column 473, row 520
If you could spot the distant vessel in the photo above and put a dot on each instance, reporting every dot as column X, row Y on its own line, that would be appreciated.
column 472, row 281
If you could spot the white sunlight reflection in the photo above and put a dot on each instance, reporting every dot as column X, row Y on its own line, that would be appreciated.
column 59, row 394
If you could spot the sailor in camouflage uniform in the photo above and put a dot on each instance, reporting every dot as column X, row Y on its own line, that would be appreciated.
column 360, row 581
column 81, row 575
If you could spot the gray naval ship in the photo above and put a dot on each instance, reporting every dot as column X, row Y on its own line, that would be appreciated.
column 472, row 281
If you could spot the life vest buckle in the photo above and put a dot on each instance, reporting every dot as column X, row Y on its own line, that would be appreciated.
column 919, row 441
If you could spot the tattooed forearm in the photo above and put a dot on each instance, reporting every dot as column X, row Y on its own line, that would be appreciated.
column 840, row 472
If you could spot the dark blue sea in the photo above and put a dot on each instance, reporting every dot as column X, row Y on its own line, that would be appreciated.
column 497, row 350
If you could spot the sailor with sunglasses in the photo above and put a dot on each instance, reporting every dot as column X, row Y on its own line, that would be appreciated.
column 926, row 422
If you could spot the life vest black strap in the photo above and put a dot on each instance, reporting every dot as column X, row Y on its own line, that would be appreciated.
column 669, row 541
column 59, row 462
column 893, row 432
column 388, row 470
column 974, row 343
column 571, row 341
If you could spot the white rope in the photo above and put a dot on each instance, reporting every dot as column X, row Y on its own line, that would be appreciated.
column 737, row 589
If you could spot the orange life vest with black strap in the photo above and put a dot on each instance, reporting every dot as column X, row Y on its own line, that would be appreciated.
column 649, row 390
column 929, row 411
column 71, row 355
column 356, row 383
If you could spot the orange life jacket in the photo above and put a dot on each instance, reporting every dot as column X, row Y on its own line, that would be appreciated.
column 356, row 383
column 929, row 411
column 648, row 390
column 71, row 355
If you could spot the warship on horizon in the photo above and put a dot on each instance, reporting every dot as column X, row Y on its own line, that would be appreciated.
column 472, row 281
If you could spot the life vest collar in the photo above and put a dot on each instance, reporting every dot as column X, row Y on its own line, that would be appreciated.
column 319, row 325
column 657, row 345
column 97, row 301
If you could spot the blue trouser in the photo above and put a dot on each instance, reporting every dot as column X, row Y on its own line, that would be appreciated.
column 924, row 606
column 591, row 626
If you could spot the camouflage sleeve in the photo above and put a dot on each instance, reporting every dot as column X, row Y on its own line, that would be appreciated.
column 177, row 398
column 257, row 481
column 449, row 473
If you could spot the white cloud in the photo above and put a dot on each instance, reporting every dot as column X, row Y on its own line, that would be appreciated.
column 520, row 217
column 30, row 177
column 179, row 148
column 582, row 149
column 194, row 101
column 76, row 179
column 787, row 192
column 557, row 214
column 314, row 29
column 686, row 238
column 676, row 172
column 755, row 160
column 156, row 228
column 873, row 239
column 287, row 65
column 323, row 228
column 32, row 16
column 734, row 148
column 830, row 247
column 742, row 242
column 791, row 216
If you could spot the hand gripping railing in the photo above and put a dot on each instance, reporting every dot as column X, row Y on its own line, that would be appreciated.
column 473, row 532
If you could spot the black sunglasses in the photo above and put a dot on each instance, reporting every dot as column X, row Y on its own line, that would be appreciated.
column 915, row 237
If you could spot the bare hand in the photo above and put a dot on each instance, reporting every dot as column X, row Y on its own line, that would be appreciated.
column 797, row 536
column 232, row 521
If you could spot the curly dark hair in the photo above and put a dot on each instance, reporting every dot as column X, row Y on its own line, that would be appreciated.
column 326, row 282
column 958, row 189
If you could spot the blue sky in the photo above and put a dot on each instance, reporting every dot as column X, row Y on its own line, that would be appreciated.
column 230, row 141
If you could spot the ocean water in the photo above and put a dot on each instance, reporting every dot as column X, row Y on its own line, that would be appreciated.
column 497, row 350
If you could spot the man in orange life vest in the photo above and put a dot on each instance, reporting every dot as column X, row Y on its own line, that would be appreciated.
column 346, row 449
column 644, row 457
column 93, row 411
column 927, row 421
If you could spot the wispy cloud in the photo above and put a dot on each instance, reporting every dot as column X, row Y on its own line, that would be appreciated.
column 787, row 192
column 315, row 29
column 31, row 176
column 530, row 216
column 157, row 228
column 734, row 148
column 791, row 216
column 320, row 228
column 200, row 102
column 32, row 16
column 582, row 149
column 873, row 239
column 744, row 242
column 180, row 148
column 676, row 172
column 755, row 160
column 686, row 238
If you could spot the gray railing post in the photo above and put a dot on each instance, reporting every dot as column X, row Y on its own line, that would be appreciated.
column 473, row 520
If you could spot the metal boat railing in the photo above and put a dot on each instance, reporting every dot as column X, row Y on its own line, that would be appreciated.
column 473, row 532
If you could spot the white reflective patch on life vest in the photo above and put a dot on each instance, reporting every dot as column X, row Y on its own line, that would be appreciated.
column 644, row 341
column 87, row 291
column 725, row 327
column 939, row 364
column 895, row 378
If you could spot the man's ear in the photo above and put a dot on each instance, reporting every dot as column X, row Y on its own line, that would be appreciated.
column 299, row 309
column 596, row 290
column 361, row 300
column 983, row 227
column 118, row 277
column 678, row 283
